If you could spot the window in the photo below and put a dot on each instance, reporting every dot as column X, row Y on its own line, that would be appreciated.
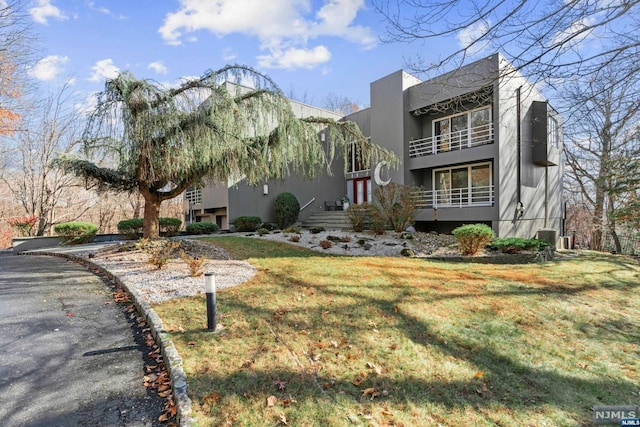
column 463, row 185
column 553, row 131
column 194, row 197
column 462, row 130
column 355, row 159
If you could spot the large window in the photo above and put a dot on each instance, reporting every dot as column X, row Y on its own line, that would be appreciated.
column 465, row 129
column 355, row 159
column 463, row 185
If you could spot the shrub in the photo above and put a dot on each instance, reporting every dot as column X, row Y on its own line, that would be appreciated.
column 326, row 244
column 269, row 226
column 169, row 226
column 247, row 223
column 24, row 225
column 359, row 216
column 202, row 228
column 472, row 237
column 131, row 228
column 195, row 264
column 316, row 230
column 76, row 232
column 287, row 209
column 292, row 229
column 159, row 251
column 262, row 231
column 514, row 245
column 397, row 203
column 378, row 221
column 295, row 238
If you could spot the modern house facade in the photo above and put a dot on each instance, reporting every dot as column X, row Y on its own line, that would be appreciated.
column 481, row 143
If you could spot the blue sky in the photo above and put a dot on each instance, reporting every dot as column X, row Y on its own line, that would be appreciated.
column 311, row 48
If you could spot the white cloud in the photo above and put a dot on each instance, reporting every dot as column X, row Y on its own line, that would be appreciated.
column 228, row 54
column 295, row 58
column 283, row 27
column 101, row 9
column 103, row 69
column 468, row 38
column 48, row 68
column 575, row 34
column 87, row 105
column 44, row 10
column 158, row 67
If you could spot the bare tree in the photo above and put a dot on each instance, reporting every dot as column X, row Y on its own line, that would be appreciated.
column 340, row 104
column 603, row 149
column 40, row 189
column 16, row 54
column 548, row 41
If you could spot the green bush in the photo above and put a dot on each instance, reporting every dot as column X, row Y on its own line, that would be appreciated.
column 262, row 231
column 133, row 228
column 202, row 228
column 76, row 232
column 473, row 237
column 514, row 245
column 169, row 226
column 247, row 223
column 287, row 209
column 316, row 230
column 269, row 226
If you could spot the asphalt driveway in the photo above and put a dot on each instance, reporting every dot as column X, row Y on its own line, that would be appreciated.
column 68, row 355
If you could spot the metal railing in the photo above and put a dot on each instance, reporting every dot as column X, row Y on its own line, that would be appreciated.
column 308, row 203
column 466, row 138
column 456, row 197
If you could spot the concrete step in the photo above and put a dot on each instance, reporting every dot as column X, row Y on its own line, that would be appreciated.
column 330, row 220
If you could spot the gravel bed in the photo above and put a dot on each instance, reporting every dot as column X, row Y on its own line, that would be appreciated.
column 173, row 280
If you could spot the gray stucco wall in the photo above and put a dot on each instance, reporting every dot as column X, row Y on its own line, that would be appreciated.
column 540, row 190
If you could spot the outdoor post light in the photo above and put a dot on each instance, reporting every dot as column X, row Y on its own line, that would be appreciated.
column 210, row 290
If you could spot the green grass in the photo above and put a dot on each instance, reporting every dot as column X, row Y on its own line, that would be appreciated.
column 391, row 341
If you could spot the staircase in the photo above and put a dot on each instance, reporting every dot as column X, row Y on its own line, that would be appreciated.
column 330, row 220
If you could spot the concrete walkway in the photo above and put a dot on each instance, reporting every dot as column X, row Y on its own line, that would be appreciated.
column 68, row 355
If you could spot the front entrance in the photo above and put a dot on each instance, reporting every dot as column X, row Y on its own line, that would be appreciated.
column 359, row 190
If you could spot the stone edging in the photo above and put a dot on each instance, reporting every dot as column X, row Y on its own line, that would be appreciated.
column 172, row 359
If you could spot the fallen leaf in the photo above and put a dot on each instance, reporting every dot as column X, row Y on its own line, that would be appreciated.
column 393, row 346
column 282, row 385
column 271, row 401
column 283, row 419
column 69, row 314
column 163, row 417
column 371, row 392
column 478, row 375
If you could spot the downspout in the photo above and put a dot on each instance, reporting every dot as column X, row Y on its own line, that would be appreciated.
column 546, row 197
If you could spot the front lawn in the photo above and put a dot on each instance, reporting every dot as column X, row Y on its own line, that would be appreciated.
column 318, row 340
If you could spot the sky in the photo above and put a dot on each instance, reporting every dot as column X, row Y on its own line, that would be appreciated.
column 313, row 49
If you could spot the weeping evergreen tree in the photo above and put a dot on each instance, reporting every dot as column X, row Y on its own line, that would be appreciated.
column 163, row 140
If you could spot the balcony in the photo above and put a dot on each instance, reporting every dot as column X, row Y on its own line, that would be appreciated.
column 458, row 140
column 456, row 197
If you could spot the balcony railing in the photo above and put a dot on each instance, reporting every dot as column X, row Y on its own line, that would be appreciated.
column 466, row 138
column 456, row 197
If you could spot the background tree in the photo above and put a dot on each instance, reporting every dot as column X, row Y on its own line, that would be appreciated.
column 15, row 57
column 165, row 140
column 340, row 104
column 603, row 150
column 39, row 188
column 547, row 41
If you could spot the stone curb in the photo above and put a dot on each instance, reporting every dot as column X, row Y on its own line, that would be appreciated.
column 172, row 359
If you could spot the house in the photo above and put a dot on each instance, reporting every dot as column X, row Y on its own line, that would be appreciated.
column 481, row 142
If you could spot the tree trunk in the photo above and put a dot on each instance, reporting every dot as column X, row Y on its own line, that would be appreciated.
column 152, row 203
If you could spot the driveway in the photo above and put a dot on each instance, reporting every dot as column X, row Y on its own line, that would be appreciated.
column 68, row 355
